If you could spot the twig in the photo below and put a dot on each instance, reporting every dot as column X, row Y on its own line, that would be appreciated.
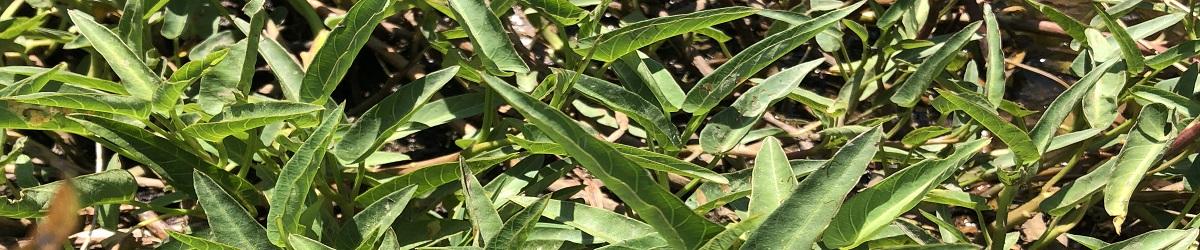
column 1038, row 71
column 622, row 127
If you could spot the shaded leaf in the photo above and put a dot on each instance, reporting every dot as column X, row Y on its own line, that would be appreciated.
column 727, row 128
column 675, row 222
column 711, row 89
column 242, row 117
column 296, row 179
column 91, row 102
column 645, row 113
column 334, row 58
column 484, row 218
column 375, row 126
column 517, row 229
column 1017, row 140
column 914, row 86
column 108, row 187
column 603, row 224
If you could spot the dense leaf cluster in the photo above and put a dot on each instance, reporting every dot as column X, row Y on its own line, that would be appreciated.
column 580, row 134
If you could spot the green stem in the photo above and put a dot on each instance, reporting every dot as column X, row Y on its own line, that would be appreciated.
column 1186, row 208
column 1000, row 226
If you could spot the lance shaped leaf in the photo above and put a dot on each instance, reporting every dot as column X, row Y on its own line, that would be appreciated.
column 296, row 179
column 801, row 219
column 772, row 181
column 230, row 222
column 1143, row 148
column 375, row 126
column 137, row 78
column 612, row 45
column 645, row 113
column 727, row 128
column 912, row 88
column 715, row 87
column 488, row 37
column 241, row 117
column 681, row 227
column 874, row 208
column 334, row 58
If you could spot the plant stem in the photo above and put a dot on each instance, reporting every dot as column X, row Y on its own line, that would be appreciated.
column 1000, row 226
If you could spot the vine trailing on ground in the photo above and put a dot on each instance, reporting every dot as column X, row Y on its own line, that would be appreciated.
column 385, row 124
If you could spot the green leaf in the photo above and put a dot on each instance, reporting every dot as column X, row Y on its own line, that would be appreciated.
column 199, row 243
column 912, row 88
column 301, row 242
column 108, row 187
column 1157, row 239
column 1079, row 190
column 637, row 70
column 104, row 103
column 1184, row 50
column 286, row 68
column 727, row 128
column 1063, row 105
column 484, row 218
column 1165, row 97
column 614, row 44
column 1100, row 104
column 675, row 222
column 1089, row 242
column 1017, row 140
column 918, row 136
column 1129, row 49
column 428, row 178
column 1147, row 28
column 772, row 181
column 874, row 208
column 242, row 117
column 378, row 123
column 994, row 88
column 1143, row 147
column 894, row 13
column 31, row 84
column 488, row 37
column 24, row 116
column 800, row 220
column 198, row 68
column 167, row 159
column 1102, row 50
column 296, row 179
column 646, row 114
column 70, row 78
column 230, row 223
column 1073, row 27
column 369, row 225
column 643, row 158
column 131, row 27
column 334, row 58
column 597, row 222
column 733, row 234
column 219, row 88
column 711, row 89
column 517, row 229
column 138, row 79
column 562, row 11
